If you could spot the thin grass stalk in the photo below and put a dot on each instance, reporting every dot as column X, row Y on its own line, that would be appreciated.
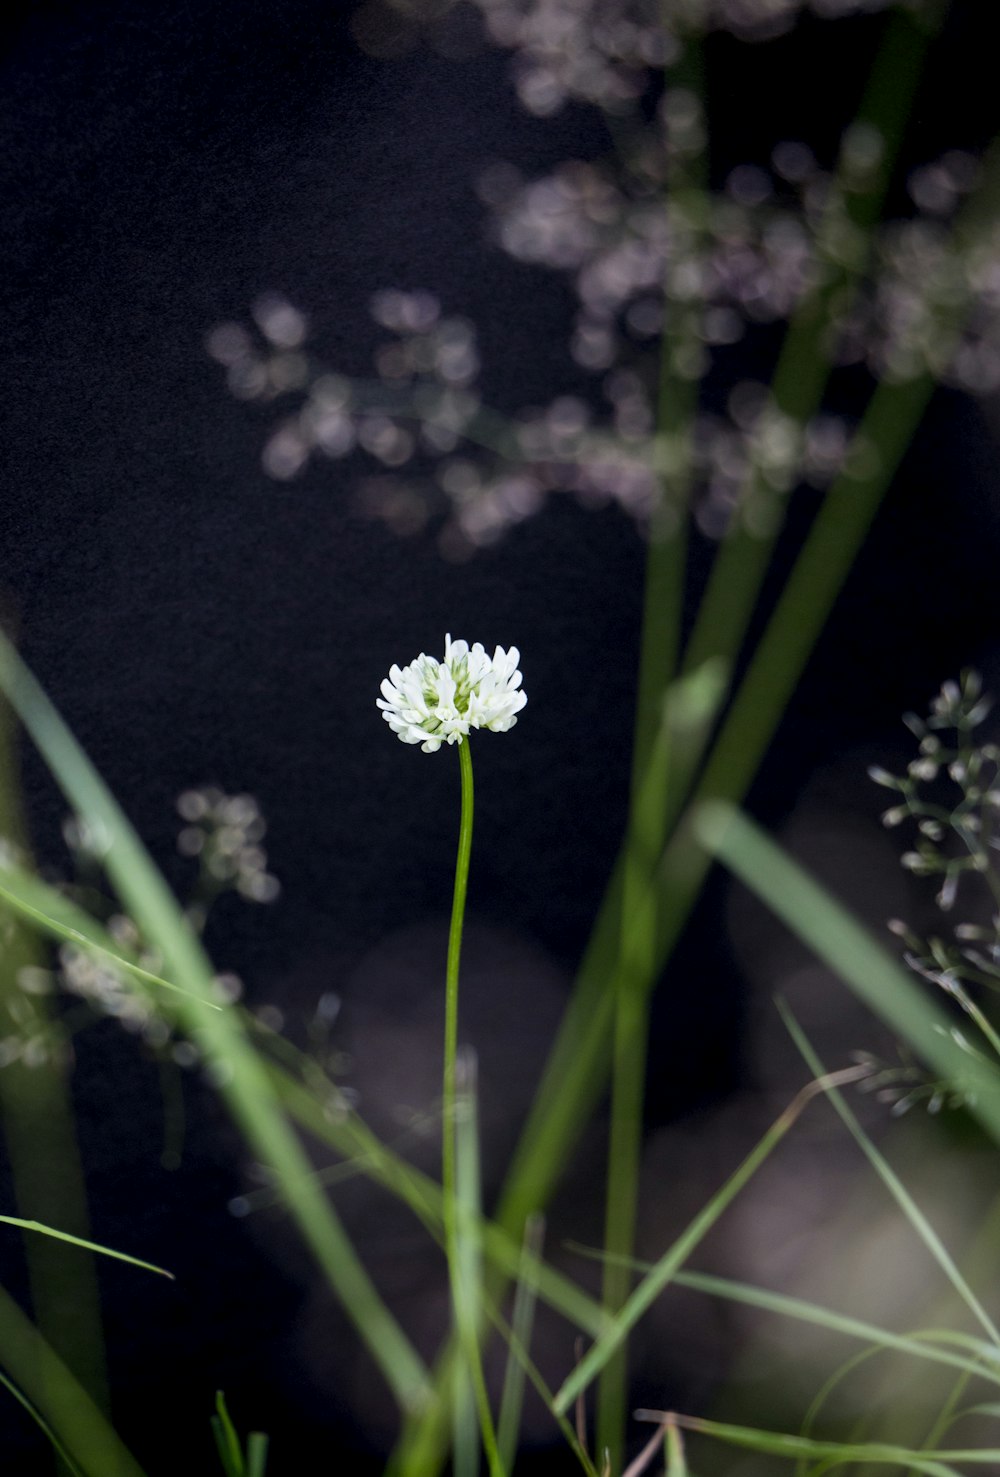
column 836, row 1453
column 655, row 1281
column 352, row 1137
column 468, row 1286
column 923, row 1344
column 465, row 1434
column 520, row 1352
column 948, row 1415
column 914, row 1215
column 521, row 1325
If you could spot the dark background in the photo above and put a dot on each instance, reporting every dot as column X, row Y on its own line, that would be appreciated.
column 196, row 622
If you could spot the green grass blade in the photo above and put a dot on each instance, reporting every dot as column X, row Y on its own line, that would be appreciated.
column 851, row 951
column 472, row 1413
column 676, row 1462
column 226, row 1438
column 982, row 1359
column 222, row 1447
column 36, row 1111
column 825, row 1391
column 534, row 1376
column 120, row 1256
column 522, row 1322
column 257, row 1444
column 44, row 1427
column 896, row 1188
column 218, row 1033
column 351, row 1137
column 664, row 1270
column 835, row 1453
column 13, row 887
column 55, row 1396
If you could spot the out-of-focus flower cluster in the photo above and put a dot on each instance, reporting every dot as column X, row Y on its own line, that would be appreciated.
column 443, row 456
column 645, row 265
column 603, row 51
column 225, row 833
column 694, row 274
column 668, row 276
column 950, row 794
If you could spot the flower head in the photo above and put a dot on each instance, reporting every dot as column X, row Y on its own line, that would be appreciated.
column 430, row 702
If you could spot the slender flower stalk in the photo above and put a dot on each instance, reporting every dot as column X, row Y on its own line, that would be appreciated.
column 451, row 973
column 429, row 703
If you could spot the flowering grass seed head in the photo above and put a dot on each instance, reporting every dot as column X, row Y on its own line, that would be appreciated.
column 432, row 702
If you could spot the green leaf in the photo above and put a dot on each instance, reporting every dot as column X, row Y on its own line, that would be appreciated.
column 851, row 951
column 120, row 1256
column 219, row 1034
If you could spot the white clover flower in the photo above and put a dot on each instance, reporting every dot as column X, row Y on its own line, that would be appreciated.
column 430, row 702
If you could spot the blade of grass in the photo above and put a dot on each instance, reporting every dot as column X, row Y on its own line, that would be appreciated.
column 226, row 1438
column 575, row 1072
column 15, row 902
column 38, row 1127
column 914, row 1215
column 923, row 1344
column 364, row 1152
column 676, row 1462
column 471, row 1396
column 948, row 1415
column 577, row 1067
column 120, row 1256
column 63, row 1405
column 777, row 1443
column 850, row 950
column 522, row 1323
column 257, row 1444
column 534, row 1376
column 245, row 1084
column 983, row 1359
column 825, row 1391
column 43, row 1426
column 653, row 1284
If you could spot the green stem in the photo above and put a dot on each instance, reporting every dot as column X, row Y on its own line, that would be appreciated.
column 466, row 1315
column 663, row 607
column 451, row 987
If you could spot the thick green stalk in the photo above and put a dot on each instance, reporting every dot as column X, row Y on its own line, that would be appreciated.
column 804, row 367
column 663, row 608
